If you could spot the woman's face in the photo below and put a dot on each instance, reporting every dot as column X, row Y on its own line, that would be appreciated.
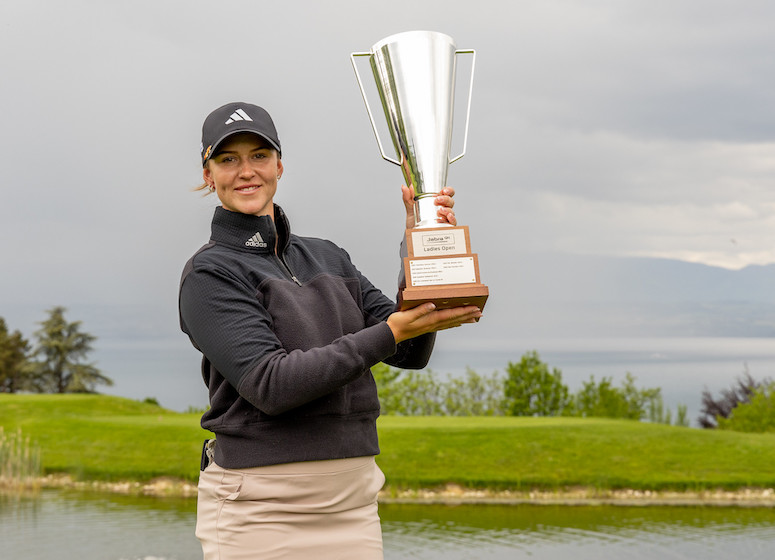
column 244, row 171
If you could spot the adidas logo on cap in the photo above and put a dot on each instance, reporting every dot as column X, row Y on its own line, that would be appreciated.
column 256, row 241
column 238, row 115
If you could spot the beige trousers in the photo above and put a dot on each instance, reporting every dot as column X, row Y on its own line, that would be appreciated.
column 319, row 510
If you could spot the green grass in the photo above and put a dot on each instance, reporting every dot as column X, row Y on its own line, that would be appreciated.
column 554, row 453
column 110, row 438
column 96, row 437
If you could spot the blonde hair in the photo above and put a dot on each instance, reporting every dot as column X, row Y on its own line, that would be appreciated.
column 203, row 187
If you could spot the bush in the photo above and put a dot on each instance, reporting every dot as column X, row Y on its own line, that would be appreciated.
column 739, row 393
column 604, row 400
column 756, row 415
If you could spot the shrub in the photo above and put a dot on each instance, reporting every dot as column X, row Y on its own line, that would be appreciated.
column 19, row 458
column 756, row 415
column 741, row 392
column 604, row 400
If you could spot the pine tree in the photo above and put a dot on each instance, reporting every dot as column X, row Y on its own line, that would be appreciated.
column 61, row 348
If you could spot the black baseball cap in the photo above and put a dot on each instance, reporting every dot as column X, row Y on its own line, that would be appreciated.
column 233, row 118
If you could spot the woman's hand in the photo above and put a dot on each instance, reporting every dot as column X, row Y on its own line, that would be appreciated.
column 444, row 201
column 425, row 318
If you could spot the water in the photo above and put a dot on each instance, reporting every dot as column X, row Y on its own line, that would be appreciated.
column 62, row 526
column 581, row 533
column 681, row 367
column 58, row 526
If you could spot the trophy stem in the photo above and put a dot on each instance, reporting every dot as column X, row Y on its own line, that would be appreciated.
column 426, row 212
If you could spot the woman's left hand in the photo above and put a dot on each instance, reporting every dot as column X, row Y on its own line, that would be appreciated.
column 444, row 202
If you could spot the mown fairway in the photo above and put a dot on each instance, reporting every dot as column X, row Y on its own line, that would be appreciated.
column 110, row 438
column 551, row 453
column 106, row 438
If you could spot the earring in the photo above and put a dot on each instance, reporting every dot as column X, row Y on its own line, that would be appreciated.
column 211, row 188
column 278, row 177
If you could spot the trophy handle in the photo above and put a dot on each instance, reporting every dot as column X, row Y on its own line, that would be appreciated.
column 368, row 109
column 470, row 92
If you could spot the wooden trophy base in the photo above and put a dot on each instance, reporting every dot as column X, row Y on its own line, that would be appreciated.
column 445, row 297
column 441, row 268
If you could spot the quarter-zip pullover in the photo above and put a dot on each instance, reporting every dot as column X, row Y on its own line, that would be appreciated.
column 287, row 339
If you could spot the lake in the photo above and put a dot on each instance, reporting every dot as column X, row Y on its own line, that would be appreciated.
column 681, row 366
column 67, row 526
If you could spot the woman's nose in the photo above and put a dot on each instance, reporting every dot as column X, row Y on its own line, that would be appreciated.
column 246, row 170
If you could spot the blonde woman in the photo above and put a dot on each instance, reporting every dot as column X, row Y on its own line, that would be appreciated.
column 288, row 329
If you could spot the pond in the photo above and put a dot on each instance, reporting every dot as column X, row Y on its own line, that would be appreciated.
column 63, row 526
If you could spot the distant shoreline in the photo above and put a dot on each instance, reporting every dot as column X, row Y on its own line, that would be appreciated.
column 453, row 494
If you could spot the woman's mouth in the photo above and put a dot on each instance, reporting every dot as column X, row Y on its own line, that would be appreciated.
column 247, row 188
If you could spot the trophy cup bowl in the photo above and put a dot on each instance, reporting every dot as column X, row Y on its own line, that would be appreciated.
column 414, row 73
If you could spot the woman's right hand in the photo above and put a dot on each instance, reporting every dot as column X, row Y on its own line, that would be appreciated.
column 426, row 318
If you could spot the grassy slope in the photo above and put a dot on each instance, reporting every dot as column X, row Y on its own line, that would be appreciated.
column 521, row 453
column 100, row 437
column 103, row 437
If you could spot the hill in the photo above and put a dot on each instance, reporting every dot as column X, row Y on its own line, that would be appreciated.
column 564, row 295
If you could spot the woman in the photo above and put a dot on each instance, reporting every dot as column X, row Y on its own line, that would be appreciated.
column 288, row 329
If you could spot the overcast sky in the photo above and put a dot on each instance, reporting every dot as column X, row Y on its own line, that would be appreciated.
column 607, row 127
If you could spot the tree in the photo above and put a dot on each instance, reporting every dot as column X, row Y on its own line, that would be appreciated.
column 61, row 348
column 604, row 400
column 657, row 414
column 600, row 399
column 13, row 360
column 413, row 393
column 682, row 417
column 740, row 392
column 474, row 395
column 532, row 390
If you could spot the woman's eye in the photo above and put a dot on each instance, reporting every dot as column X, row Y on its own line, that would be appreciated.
column 258, row 155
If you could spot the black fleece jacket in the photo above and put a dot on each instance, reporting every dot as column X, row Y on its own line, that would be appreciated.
column 287, row 340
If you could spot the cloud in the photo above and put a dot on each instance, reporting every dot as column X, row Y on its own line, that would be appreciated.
column 597, row 128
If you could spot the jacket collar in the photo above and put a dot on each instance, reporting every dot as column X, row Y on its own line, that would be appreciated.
column 256, row 234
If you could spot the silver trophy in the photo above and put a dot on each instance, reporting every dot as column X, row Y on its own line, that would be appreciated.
column 415, row 76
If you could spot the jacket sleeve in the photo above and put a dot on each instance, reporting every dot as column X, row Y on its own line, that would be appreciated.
column 410, row 354
column 228, row 324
